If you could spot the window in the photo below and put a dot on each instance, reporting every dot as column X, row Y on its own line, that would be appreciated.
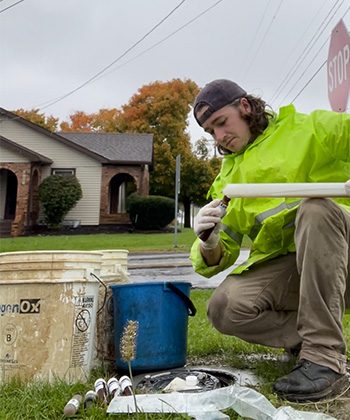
column 63, row 172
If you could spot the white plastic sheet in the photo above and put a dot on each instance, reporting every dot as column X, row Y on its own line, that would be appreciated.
column 208, row 405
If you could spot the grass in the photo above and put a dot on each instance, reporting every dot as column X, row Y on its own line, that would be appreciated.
column 135, row 242
column 41, row 400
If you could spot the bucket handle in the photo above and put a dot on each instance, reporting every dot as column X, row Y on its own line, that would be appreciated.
column 105, row 295
column 191, row 309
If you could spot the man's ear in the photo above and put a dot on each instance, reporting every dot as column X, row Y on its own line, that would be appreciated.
column 245, row 106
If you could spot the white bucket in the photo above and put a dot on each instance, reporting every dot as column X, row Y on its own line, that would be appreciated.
column 113, row 271
column 48, row 305
column 112, row 259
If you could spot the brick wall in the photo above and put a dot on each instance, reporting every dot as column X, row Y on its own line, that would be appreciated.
column 22, row 172
column 141, row 176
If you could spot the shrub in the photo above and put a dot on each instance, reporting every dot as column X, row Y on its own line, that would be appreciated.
column 150, row 212
column 58, row 194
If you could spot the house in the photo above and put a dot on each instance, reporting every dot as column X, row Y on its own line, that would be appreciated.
column 109, row 166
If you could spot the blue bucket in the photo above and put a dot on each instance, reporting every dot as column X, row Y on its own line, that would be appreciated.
column 162, row 310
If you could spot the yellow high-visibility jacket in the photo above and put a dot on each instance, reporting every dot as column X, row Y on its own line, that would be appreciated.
column 294, row 148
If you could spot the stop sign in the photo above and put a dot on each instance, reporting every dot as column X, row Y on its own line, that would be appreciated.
column 338, row 68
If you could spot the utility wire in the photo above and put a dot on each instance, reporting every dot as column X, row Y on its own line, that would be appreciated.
column 115, row 61
column 318, row 70
column 150, row 48
column 309, row 81
column 162, row 40
column 304, row 53
column 263, row 38
column 303, row 36
column 347, row 10
column 304, row 71
column 254, row 37
column 9, row 7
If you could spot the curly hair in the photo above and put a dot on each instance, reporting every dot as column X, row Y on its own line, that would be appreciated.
column 257, row 120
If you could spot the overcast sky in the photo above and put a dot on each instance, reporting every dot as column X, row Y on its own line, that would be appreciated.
column 272, row 48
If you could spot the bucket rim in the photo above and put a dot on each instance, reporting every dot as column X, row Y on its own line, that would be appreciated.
column 59, row 252
column 9, row 282
column 151, row 283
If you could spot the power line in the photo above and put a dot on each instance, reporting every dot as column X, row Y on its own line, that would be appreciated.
column 148, row 49
column 9, row 7
column 291, row 53
column 305, row 70
column 254, row 37
column 162, row 40
column 318, row 70
column 305, row 52
column 264, row 37
column 309, row 81
column 347, row 10
column 116, row 60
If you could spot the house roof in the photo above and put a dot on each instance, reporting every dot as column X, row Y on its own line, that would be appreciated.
column 122, row 148
column 24, row 151
column 112, row 148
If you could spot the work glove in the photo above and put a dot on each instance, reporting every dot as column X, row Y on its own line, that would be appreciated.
column 208, row 217
column 347, row 187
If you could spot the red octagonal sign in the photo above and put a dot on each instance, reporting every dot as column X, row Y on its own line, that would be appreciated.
column 338, row 68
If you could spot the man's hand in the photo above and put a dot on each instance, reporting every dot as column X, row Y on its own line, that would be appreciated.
column 207, row 217
column 347, row 187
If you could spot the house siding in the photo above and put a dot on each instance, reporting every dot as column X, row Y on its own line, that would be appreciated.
column 10, row 156
column 87, row 169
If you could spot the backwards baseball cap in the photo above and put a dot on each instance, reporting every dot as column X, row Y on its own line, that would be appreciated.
column 216, row 95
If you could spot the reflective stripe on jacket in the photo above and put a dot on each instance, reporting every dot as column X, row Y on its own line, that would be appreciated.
column 294, row 148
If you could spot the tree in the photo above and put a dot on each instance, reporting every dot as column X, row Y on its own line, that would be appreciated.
column 79, row 121
column 162, row 108
column 197, row 174
column 104, row 121
column 107, row 121
column 202, row 148
column 59, row 194
column 49, row 123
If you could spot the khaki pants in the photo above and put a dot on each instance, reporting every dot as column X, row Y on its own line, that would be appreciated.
column 297, row 300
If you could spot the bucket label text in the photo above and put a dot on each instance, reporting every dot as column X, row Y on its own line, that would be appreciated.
column 9, row 334
column 25, row 306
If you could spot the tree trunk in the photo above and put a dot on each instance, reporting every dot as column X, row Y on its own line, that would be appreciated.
column 187, row 210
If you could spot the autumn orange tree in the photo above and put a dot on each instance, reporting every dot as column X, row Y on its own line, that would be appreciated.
column 79, row 121
column 162, row 108
column 104, row 121
column 49, row 123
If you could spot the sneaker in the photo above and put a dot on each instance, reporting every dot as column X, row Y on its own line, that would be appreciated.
column 309, row 381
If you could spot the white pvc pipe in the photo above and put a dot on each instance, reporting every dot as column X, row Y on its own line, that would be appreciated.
column 322, row 189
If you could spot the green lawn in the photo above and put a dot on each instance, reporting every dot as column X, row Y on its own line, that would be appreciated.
column 134, row 242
